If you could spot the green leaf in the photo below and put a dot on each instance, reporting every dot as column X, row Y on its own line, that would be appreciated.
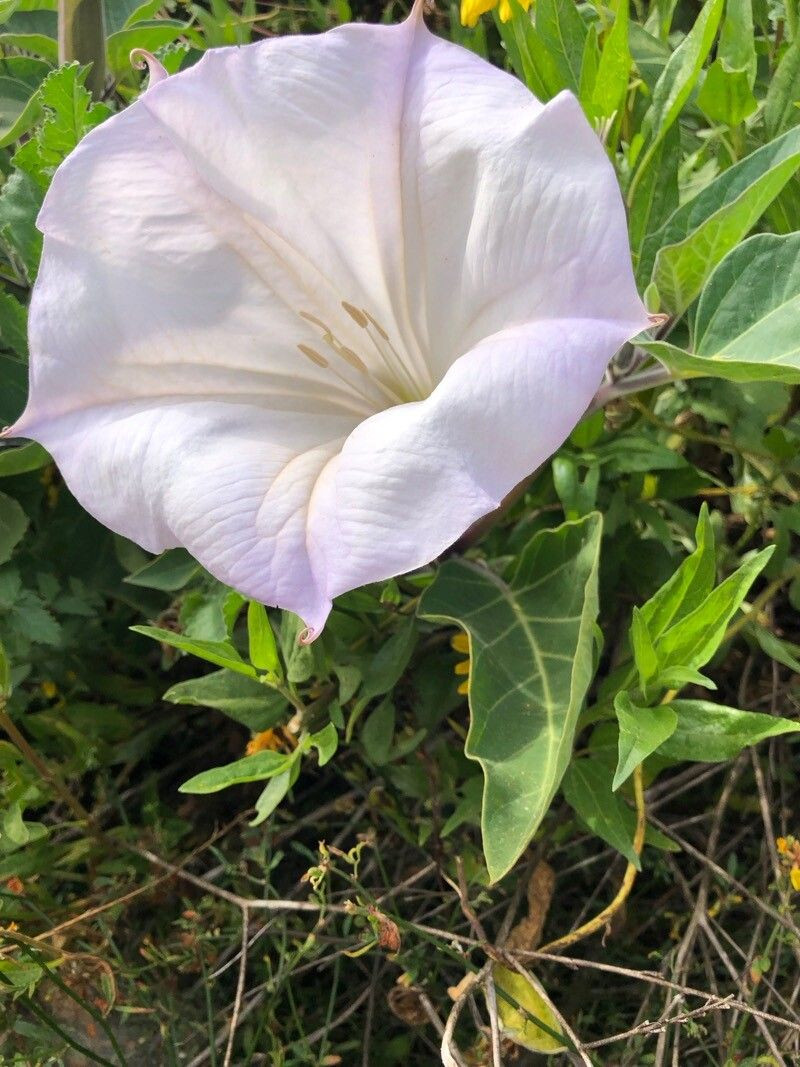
column 168, row 572
column 383, row 670
column 562, row 33
column 253, row 768
column 13, row 524
column 641, row 732
column 780, row 104
column 20, row 77
column 678, row 79
column 693, row 640
column 528, row 53
column 22, row 460
column 531, row 644
column 325, row 741
column 644, row 653
column 781, row 651
column 244, row 699
column 263, row 649
column 655, row 196
column 20, row 202
column 587, row 790
column 5, row 673
column 273, row 793
column 13, row 325
column 689, row 585
column 377, row 733
column 615, row 64
column 535, row 1004
column 727, row 92
column 681, row 255
column 712, row 733
column 746, row 322
column 149, row 35
column 220, row 652
column 69, row 114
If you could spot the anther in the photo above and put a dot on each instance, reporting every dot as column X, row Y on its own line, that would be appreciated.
column 356, row 314
column 313, row 355
column 377, row 325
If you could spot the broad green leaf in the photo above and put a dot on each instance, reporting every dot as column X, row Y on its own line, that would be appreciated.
column 244, row 699
column 13, row 524
column 22, row 460
column 727, row 92
column 273, row 793
column 746, row 322
column 168, row 572
column 531, row 648
column 264, row 764
column 711, row 733
column 641, row 732
column 587, row 790
column 38, row 43
column 615, row 65
column 528, row 53
column 694, row 638
column 678, row 79
column 689, row 585
column 20, row 77
column 535, row 1004
column 263, row 649
column 220, row 652
column 681, row 255
column 562, row 32
column 780, row 104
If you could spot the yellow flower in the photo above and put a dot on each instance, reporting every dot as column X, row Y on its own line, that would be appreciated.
column 782, row 845
column 270, row 739
column 794, row 877
column 460, row 643
column 471, row 10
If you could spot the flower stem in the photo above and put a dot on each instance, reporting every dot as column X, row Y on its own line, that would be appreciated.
column 82, row 38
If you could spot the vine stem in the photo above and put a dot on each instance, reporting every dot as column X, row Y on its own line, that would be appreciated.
column 82, row 38
column 601, row 919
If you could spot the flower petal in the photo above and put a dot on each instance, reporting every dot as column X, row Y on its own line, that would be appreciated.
column 514, row 211
column 410, row 480
column 228, row 480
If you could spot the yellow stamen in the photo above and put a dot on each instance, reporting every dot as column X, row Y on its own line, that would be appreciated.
column 462, row 668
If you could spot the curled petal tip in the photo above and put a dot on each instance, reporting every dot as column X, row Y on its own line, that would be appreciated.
column 418, row 10
column 658, row 320
column 141, row 58
column 307, row 636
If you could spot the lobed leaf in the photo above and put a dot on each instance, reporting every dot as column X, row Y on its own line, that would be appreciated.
column 531, row 649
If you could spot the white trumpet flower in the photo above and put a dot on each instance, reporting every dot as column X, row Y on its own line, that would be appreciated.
column 313, row 306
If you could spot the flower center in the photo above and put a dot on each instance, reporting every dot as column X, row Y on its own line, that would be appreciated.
column 381, row 367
